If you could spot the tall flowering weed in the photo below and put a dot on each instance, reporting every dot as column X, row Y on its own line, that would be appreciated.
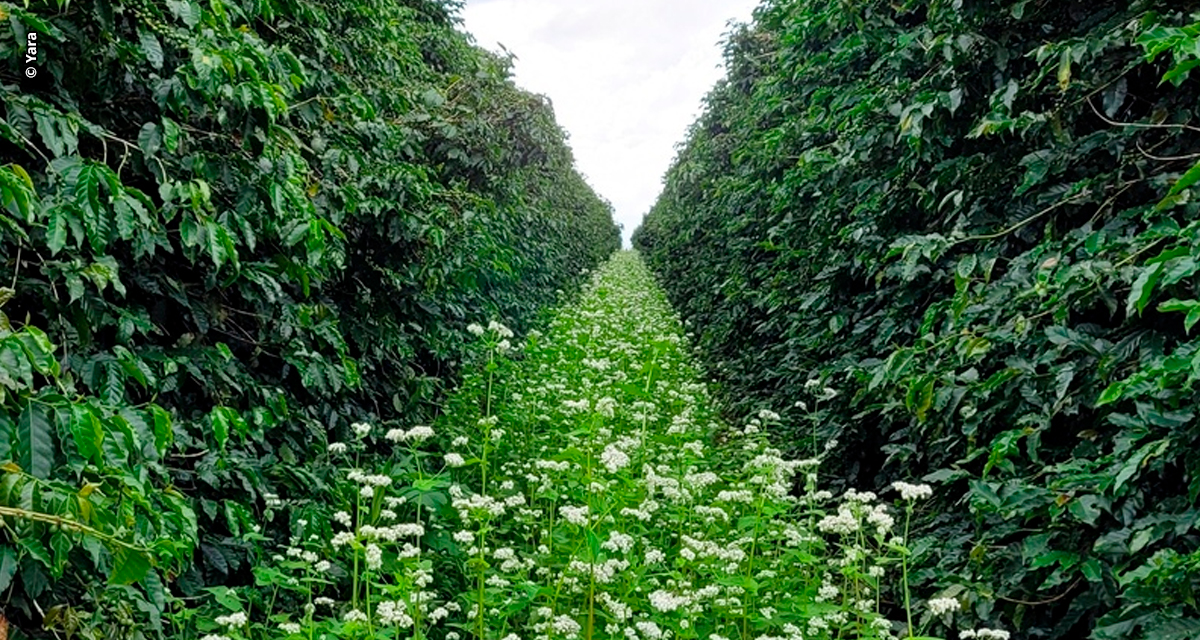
column 582, row 486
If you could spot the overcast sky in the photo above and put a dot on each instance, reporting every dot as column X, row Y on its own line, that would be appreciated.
column 626, row 78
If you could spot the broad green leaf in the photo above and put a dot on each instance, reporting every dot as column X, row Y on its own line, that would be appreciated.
column 163, row 436
column 1143, row 288
column 129, row 565
column 1186, row 181
column 87, row 432
column 150, row 141
column 1085, row 509
column 170, row 134
column 220, row 425
column 151, row 48
column 8, row 566
column 1191, row 307
column 36, row 436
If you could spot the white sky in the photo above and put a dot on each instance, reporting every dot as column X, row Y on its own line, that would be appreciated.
column 626, row 78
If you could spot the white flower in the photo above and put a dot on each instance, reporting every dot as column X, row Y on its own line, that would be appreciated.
column 354, row 615
column 618, row 541
column 575, row 515
column 420, row 433
column 913, row 492
column 323, row 566
column 289, row 628
column 940, row 606
column 361, row 429
column 649, row 629
column 394, row 612
column 367, row 491
column 213, row 636
column 343, row 518
column 454, row 460
column 984, row 634
column 844, row 522
column 374, row 557
column 324, row 602
column 614, row 459
column 566, row 626
column 460, row 441
column 499, row 329
column 666, row 601
column 234, row 620
column 475, row 329
column 337, row 447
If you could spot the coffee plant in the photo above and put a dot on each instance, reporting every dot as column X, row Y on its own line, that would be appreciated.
column 229, row 230
column 977, row 220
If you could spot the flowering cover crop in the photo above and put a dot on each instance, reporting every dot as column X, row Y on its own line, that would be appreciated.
column 582, row 487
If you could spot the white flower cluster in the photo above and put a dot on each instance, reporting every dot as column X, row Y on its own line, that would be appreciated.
column 566, row 626
column 942, row 606
column 984, row 634
column 666, row 601
column 618, row 541
column 417, row 434
column 394, row 613
column 577, row 516
column 234, row 620
column 844, row 523
column 912, row 492
column 499, row 329
column 613, row 458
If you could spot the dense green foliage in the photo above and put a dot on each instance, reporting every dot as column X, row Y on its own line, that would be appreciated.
column 244, row 223
column 978, row 220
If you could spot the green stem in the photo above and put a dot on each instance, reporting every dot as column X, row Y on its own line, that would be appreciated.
column 750, row 568
column 904, row 568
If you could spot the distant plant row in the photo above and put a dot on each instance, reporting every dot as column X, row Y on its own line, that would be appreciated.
column 978, row 221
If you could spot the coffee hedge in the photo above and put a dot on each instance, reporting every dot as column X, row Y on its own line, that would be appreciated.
column 973, row 224
column 230, row 228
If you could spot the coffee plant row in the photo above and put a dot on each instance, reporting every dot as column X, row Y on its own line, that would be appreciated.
column 977, row 220
column 230, row 229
